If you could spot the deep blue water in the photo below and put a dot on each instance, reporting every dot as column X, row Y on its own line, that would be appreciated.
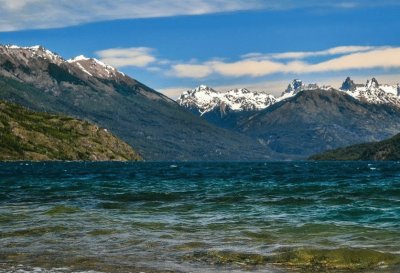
column 200, row 217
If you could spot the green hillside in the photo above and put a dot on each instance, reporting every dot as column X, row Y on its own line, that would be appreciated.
column 384, row 150
column 28, row 135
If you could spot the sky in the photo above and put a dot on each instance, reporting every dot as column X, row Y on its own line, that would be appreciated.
column 175, row 45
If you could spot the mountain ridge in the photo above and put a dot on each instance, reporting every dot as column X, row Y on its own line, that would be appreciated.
column 149, row 121
column 205, row 99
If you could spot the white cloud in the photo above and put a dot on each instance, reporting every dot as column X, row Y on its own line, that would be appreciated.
column 121, row 57
column 191, row 71
column 37, row 14
column 329, row 52
column 257, row 65
column 174, row 92
column 15, row 5
column 380, row 58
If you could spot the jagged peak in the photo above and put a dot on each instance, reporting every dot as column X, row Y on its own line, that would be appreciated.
column 206, row 99
column 203, row 87
column 348, row 85
column 294, row 86
column 36, row 47
column 241, row 90
column 36, row 50
column 373, row 83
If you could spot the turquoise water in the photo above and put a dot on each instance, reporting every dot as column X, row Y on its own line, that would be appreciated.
column 200, row 217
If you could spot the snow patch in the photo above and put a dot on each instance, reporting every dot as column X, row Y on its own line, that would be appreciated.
column 78, row 58
column 84, row 70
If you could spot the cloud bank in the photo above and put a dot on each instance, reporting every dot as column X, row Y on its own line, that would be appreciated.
column 255, row 65
column 258, row 65
column 40, row 14
column 134, row 56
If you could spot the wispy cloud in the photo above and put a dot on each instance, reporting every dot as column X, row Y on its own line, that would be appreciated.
column 122, row 57
column 37, row 14
column 253, row 65
column 340, row 50
column 191, row 71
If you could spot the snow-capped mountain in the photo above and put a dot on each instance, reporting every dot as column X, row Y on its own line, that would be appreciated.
column 24, row 54
column 297, row 85
column 88, row 89
column 206, row 99
column 38, row 57
column 373, row 92
column 92, row 66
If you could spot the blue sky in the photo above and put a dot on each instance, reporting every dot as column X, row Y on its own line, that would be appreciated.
column 174, row 45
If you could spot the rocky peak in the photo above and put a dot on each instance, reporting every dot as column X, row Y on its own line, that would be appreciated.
column 92, row 66
column 348, row 85
column 295, row 86
column 24, row 54
column 372, row 84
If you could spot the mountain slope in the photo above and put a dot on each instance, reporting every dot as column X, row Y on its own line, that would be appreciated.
column 28, row 135
column 316, row 120
column 385, row 150
column 86, row 88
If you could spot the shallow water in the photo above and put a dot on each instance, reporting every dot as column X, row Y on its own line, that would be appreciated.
column 200, row 217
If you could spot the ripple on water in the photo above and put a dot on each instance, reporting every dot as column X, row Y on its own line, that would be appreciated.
column 111, row 217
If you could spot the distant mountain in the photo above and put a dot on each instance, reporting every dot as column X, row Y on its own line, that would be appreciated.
column 204, row 99
column 208, row 103
column 88, row 89
column 317, row 120
column 228, row 109
column 373, row 92
column 384, row 150
column 306, row 118
column 224, row 109
column 28, row 135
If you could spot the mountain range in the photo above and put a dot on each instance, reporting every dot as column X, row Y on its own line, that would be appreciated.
column 204, row 100
column 203, row 124
column 85, row 88
column 306, row 118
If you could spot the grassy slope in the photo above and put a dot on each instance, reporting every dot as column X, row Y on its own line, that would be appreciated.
column 28, row 135
column 384, row 150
